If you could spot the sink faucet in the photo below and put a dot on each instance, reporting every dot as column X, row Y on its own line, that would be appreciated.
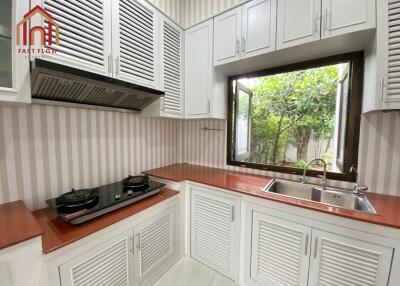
column 357, row 188
column 323, row 178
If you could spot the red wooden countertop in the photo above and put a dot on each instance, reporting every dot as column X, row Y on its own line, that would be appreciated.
column 17, row 224
column 58, row 233
column 387, row 206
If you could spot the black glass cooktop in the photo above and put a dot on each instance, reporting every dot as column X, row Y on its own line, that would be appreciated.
column 82, row 205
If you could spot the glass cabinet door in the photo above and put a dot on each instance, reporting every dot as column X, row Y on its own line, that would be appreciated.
column 6, row 44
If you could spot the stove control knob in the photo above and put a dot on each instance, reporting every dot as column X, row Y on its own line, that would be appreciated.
column 117, row 197
column 130, row 193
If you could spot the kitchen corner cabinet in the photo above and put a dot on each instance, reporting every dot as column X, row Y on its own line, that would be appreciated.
column 245, row 31
column 288, row 253
column 199, row 70
column 106, row 264
column 215, row 230
column 347, row 16
column 298, row 22
column 14, row 66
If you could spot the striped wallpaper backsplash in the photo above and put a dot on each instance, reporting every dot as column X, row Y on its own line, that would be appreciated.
column 47, row 150
column 379, row 151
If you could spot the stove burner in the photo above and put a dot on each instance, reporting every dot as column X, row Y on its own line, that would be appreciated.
column 77, row 200
column 136, row 183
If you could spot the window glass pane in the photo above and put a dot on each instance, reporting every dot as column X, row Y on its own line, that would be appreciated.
column 294, row 117
column 243, row 125
column 5, row 43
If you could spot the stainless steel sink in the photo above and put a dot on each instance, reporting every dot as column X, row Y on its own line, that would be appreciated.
column 333, row 197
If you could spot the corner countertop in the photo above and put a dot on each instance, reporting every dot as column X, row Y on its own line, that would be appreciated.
column 248, row 184
column 58, row 233
column 17, row 224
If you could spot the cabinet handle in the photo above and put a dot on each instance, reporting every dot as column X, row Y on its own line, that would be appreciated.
column 233, row 213
column 117, row 65
column 139, row 246
column 326, row 21
column 382, row 89
column 316, row 247
column 237, row 47
column 132, row 243
column 109, row 64
column 209, row 107
column 316, row 22
column 243, row 45
column 306, row 250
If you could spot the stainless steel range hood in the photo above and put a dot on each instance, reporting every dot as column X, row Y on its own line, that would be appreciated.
column 59, row 84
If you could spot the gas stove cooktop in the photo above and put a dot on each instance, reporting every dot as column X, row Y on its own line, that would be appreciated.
column 82, row 205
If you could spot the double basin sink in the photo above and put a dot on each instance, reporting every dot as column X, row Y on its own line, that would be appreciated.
column 330, row 196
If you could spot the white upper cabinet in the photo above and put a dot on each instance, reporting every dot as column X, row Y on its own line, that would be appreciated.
column 258, row 27
column 105, row 264
column 346, row 16
column 14, row 66
column 215, row 230
column 227, row 36
column 280, row 251
column 382, row 64
column 340, row 260
column 172, row 57
column 135, row 42
column 199, row 70
column 246, row 31
column 85, row 34
column 298, row 22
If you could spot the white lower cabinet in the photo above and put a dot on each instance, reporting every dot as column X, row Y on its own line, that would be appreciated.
column 279, row 251
column 287, row 253
column 137, row 256
column 155, row 245
column 215, row 230
column 341, row 260
column 106, row 264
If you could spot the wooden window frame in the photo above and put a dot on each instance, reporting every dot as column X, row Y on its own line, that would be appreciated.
column 353, row 123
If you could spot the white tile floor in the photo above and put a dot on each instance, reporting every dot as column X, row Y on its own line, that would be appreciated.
column 191, row 272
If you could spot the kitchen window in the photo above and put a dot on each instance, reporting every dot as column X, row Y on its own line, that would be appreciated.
column 281, row 118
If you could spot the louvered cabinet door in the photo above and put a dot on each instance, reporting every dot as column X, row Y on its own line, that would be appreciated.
column 339, row 260
column 172, row 68
column 85, row 33
column 135, row 42
column 388, row 54
column 155, row 244
column 215, row 230
column 104, row 265
column 280, row 251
